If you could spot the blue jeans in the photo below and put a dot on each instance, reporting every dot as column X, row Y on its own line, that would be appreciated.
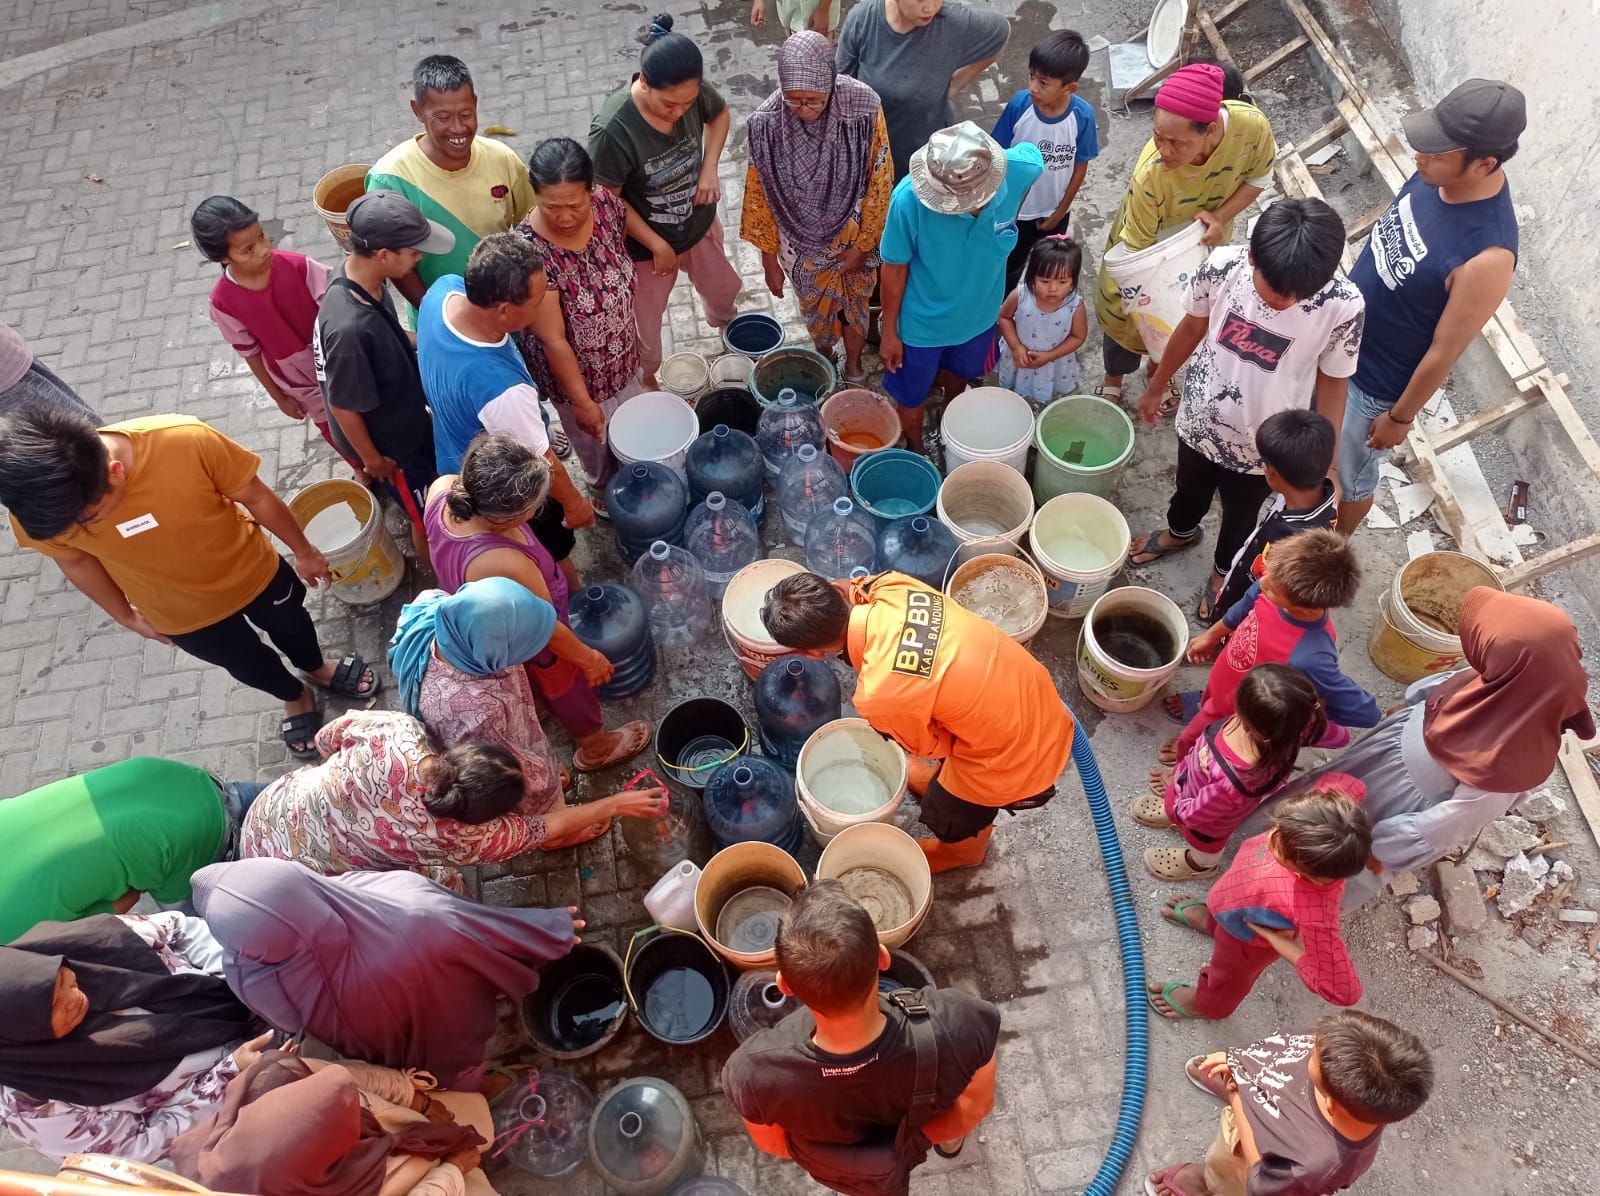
column 1358, row 464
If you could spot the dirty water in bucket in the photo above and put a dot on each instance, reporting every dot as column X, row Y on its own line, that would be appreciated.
column 1005, row 597
column 1135, row 639
column 582, row 1010
column 881, row 894
column 333, row 527
column 749, row 920
column 849, row 787
column 679, row 1003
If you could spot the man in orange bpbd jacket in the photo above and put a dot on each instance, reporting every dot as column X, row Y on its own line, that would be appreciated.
column 940, row 682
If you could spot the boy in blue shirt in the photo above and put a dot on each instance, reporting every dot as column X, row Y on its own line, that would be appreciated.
column 1053, row 116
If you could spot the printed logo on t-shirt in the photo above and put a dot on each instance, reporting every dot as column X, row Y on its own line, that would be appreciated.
column 1251, row 342
column 1397, row 244
column 919, row 635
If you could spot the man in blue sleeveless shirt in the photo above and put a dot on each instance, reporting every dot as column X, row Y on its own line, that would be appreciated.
column 1437, row 265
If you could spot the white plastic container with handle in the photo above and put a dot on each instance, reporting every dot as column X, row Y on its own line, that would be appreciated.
column 1154, row 282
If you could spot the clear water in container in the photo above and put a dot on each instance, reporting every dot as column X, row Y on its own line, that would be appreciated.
column 723, row 538
column 849, row 786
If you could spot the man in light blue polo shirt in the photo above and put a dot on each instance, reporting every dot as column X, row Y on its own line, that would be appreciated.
column 952, row 222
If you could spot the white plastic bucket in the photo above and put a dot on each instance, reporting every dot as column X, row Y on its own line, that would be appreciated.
column 732, row 369
column 985, row 500
column 654, row 426
column 1080, row 542
column 685, row 375
column 1414, row 634
column 741, row 613
column 1153, row 282
column 987, row 423
column 1112, row 683
column 887, row 873
column 1008, row 591
column 344, row 522
column 843, row 771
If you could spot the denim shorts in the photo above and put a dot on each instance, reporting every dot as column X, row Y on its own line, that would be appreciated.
column 1358, row 464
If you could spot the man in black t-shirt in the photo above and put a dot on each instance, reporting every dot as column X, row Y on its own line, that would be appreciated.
column 842, row 1070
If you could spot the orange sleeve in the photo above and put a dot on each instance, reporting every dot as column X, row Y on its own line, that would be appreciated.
column 230, row 466
column 972, row 1106
column 769, row 1138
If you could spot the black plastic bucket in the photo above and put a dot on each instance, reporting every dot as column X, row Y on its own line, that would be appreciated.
column 677, row 986
column 580, row 1004
column 731, row 405
column 696, row 738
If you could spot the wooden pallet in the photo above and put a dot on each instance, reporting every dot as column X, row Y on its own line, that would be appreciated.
column 1462, row 501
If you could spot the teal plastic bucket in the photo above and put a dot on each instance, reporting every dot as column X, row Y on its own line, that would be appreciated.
column 894, row 483
column 1084, row 444
column 805, row 371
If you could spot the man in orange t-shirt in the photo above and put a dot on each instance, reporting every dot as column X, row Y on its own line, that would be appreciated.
column 940, row 682
column 159, row 522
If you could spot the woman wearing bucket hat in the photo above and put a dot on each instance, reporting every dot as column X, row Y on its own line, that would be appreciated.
column 817, row 193
column 952, row 224
column 1207, row 160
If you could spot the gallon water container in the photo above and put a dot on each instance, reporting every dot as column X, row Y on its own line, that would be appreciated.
column 723, row 538
column 670, row 900
column 918, row 546
column 794, row 696
column 751, row 799
column 612, row 620
column 542, row 1121
column 785, row 427
column 657, row 844
column 708, row 1185
column 727, row 460
column 646, row 502
column 840, row 540
column 673, row 588
column 643, row 1139
column 757, row 1003
column 807, row 485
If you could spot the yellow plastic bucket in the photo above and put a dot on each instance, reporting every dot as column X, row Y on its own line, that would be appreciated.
column 345, row 523
column 334, row 193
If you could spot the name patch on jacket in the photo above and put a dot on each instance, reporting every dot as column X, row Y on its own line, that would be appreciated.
column 1251, row 342
column 919, row 634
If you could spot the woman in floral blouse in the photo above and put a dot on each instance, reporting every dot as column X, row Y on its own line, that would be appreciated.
column 117, row 1034
column 582, row 350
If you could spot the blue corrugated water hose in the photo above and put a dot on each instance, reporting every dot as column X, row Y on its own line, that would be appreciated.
column 1136, row 1015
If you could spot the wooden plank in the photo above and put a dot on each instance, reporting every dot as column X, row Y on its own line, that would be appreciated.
column 1564, row 411
column 1510, row 359
column 1579, row 775
column 1362, row 225
column 1276, row 59
column 1519, row 575
column 1489, row 417
column 1446, row 505
column 1218, row 46
column 1228, row 11
column 1325, row 48
column 1335, row 128
column 1392, row 172
column 1517, row 333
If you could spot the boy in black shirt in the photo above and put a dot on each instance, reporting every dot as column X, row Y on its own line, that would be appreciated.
column 842, row 1070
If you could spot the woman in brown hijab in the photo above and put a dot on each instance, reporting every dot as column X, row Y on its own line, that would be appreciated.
column 1467, row 746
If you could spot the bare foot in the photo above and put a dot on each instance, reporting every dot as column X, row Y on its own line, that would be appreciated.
column 1160, row 778
column 1169, row 751
column 1174, row 705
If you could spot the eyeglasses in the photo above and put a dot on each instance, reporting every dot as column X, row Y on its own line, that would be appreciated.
column 806, row 105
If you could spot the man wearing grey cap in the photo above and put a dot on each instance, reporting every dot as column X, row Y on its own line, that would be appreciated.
column 366, row 361
column 1437, row 265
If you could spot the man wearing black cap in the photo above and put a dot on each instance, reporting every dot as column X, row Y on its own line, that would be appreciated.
column 366, row 362
column 1437, row 265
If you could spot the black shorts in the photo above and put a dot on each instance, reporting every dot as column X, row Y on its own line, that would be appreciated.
column 550, row 528
column 951, row 819
column 1119, row 361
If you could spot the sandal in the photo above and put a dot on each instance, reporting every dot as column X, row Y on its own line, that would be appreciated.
column 1205, row 609
column 949, row 1150
column 353, row 679
column 634, row 738
column 1202, row 1081
column 1173, row 399
column 1155, row 549
column 1172, row 911
column 1172, row 864
column 1112, row 394
column 301, row 729
column 1149, row 810
column 1188, row 706
column 1166, row 1179
column 1173, row 1011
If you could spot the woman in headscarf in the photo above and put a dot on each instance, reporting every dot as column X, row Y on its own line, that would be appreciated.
column 477, row 528
column 817, row 192
column 1467, row 746
column 383, row 966
column 458, row 661
column 117, row 1033
column 301, row 1127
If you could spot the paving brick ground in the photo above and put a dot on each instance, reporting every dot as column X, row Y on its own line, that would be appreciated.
column 97, row 279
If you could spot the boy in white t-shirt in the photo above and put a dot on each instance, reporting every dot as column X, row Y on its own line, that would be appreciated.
column 1269, row 330
column 1052, row 115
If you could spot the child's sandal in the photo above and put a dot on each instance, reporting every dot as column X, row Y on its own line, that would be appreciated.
column 1172, row 864
column 1149, row 810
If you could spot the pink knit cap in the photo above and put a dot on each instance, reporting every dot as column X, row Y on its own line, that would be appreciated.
column 1193, row 92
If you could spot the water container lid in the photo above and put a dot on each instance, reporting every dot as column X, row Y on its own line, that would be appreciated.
column 642, row 1129
column 787, row 396
column 794, row 667
column 860, row 571
column 720, row 431
column 919, row 523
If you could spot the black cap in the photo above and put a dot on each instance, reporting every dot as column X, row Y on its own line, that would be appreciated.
column 1481, row 113
column 388, row 220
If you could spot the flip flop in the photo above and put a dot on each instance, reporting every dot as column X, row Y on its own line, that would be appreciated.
column 1201, row 1081
column 1155, row 550
column 1166, row 1180
column 1174, row 913
column 1173, row 1012
column 633, row 739
column 1172, row 864
column 1149, row 810
column 1205, row 610
column 1190, row 700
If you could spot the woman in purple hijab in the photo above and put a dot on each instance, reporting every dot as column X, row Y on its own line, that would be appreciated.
column 383, row 966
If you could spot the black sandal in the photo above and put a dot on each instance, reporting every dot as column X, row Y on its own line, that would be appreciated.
column 347, row 679
column 301, row 729
column 949, row 1150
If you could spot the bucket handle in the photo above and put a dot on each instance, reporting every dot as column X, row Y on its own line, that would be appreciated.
column 955, row 562
column 627, row 958
column 677, row 769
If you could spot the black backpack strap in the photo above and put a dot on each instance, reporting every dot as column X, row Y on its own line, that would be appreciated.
column 361, row 295
column 925, row 1092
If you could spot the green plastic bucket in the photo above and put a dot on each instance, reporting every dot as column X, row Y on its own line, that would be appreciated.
column 1084, row 444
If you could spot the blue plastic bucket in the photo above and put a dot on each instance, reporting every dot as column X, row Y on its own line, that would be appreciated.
column 894, row 483
column 752, row 334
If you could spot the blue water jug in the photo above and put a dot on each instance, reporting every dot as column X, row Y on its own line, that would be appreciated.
column 673, row 587
column 794, row 696
column 843, row 539
column 750, row 799
column 727, row 460
column 918, row 545
column 785, row 427
column 807, row 485
column 613, row 621
column 646, row 502
column 723, row 538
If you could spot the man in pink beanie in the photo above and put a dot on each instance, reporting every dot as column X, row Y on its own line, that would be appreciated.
column 1208, row 160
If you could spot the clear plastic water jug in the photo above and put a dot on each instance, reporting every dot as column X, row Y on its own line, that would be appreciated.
column 794, row 696
column 785, row 427
column 643, row 1139
column 918, row 545
column 646, row 502
column 672, row 586
column 807, row 485
column 722, row 536
column 843, row 539
column 728, row 460
column 612, row 620
column 757, row 1003
column 541, row 1122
